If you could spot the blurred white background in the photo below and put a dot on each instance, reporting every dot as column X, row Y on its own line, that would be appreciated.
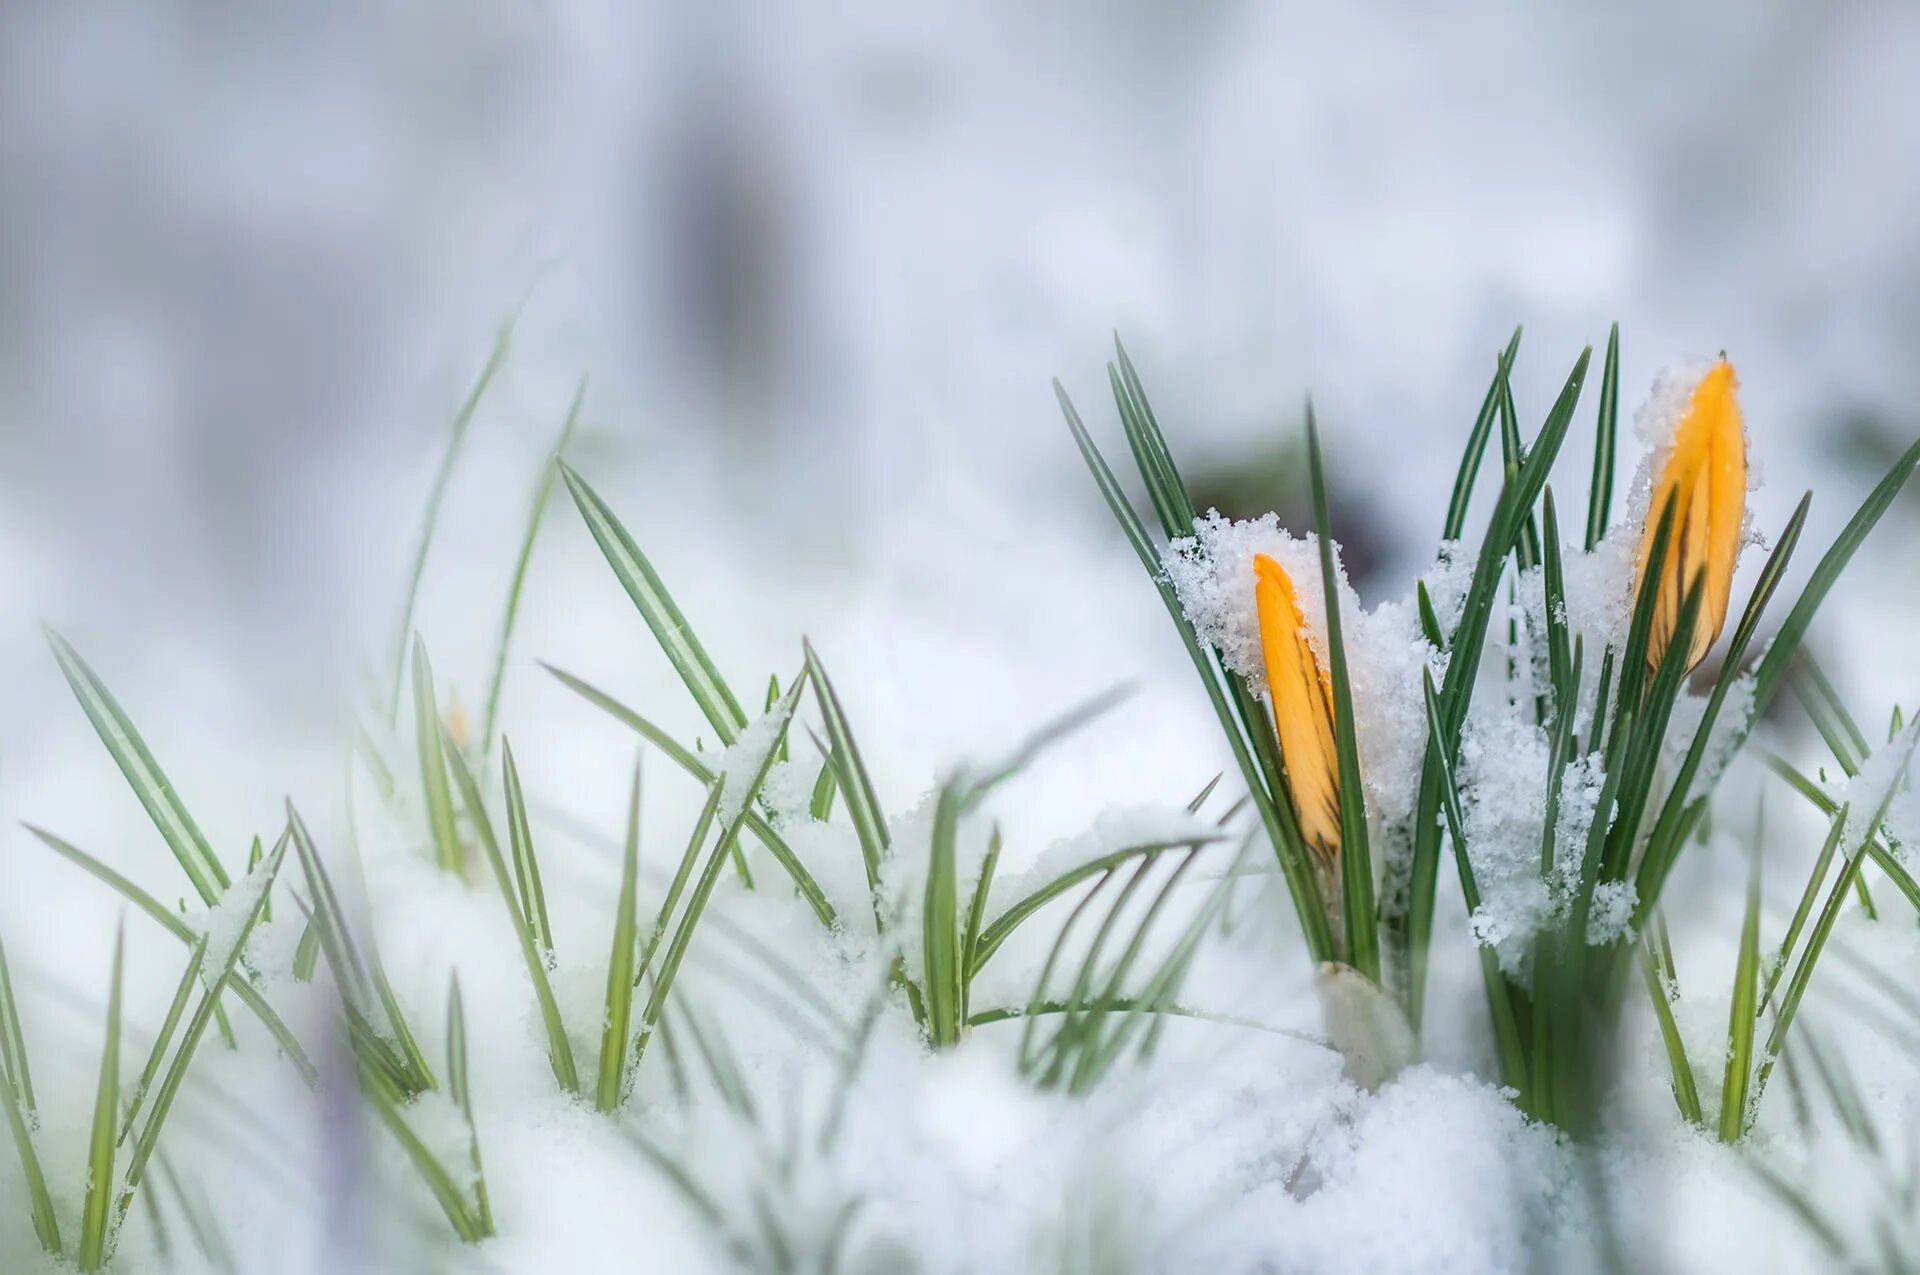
column 820, row 262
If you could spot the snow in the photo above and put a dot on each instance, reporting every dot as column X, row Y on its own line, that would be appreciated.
column 1870, row 793
column 952, row 245
column 740, row 766
column 227, row 919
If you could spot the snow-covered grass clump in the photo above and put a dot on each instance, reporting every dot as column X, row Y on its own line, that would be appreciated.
column 760, row 1017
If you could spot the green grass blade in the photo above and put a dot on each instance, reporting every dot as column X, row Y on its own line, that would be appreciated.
column 1002, row 927
column 1644, row 748
column 1075, row 1034
column 46, row 1224
column 433, row 764
column 459, row 1089
column 435, row 495
column 688, row 761
column 620, row 963
column 1077, row 718
column 1429, row 619
column 943, row 981
column 170, row 922
column 1166, row 476
column 168, row 1025
column 676, row 949
column 526, row 864
column 1161, row 486
column 863, row 805
column 535, row 515
column 1686, row 1094
column 369, row 755
column 144, row 776
column 1816, row 940
column 1027, row 1059
column 826, row 786
column 145, row 1142
column 329, row 920
column 1741, row 1016
column 1882, row 858
column 360, row 983
column 1829, row 715
column 1780, row 652
column 559, row 1051
column 1802, row 975
column 1456, row 692
column 438, row 1180
column 1477, row 444
column 657, row 607
column 1554, row 585
column 1161, row 988
column 13, row 1041
column 1815, row 879
column 255, row 853
column 688, row 858
column 977, row 910
column 1513, row 454
column 1606, row 431
column 96, row 1211
column 1356, row 859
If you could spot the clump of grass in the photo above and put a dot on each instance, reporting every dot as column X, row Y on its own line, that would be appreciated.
column 1121, row 928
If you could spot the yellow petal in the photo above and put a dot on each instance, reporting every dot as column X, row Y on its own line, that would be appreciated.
column 457, row 725
column 1705, row 475
column 1302, row 708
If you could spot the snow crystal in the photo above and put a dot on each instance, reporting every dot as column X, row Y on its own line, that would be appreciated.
column 743, row 760
column 787, row 793
column 1723, row 741
column 1502, row 772
column 1611, row 917
column 1874, row 787
column 226, row 920
column 437, row 1120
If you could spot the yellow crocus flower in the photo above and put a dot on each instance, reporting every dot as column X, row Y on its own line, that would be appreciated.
column 1705, row 476
column 1302, row 699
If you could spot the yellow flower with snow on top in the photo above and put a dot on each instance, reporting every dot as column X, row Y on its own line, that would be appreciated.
column 1705, row 476
column 1302, row 697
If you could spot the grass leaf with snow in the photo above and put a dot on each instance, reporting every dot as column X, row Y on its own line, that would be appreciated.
column 15, row 1094
column 850, row 769
column 688, row 761
column 169, row 921
column 520, row 911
